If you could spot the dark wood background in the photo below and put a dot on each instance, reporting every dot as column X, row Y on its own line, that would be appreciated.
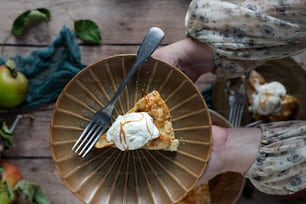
column 123, row 25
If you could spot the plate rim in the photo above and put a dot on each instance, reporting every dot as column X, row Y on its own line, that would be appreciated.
column 70, row 188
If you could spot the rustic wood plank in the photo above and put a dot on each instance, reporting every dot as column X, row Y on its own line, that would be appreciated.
column 89, row 54
column 31, row 137
column 43, row 172
column 120, row 21
column 123, row 25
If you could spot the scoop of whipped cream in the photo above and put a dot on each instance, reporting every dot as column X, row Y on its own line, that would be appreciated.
column 132, row 131
column 267, row 98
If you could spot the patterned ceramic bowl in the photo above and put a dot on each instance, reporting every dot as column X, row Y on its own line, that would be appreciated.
column 139, row 176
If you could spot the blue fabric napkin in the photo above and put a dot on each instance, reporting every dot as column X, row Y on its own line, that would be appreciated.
column 49, row 69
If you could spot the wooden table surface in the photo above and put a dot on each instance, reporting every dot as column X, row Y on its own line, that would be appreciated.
column 123, row 25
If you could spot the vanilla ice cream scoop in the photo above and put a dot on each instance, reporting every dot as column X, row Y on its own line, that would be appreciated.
column 267, row 98
column 132, row 131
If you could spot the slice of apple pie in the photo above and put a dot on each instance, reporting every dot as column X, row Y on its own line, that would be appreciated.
column 269, row 100
column 198, row 195
column 147, row 125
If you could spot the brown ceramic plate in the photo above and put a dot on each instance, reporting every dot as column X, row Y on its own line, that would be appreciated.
column 286, row 71
column 140, row 176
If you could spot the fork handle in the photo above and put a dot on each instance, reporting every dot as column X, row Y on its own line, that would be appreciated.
column 151, row 41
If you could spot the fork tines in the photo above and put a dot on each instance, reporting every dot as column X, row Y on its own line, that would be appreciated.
column 236, row 110
column 88, row 138
column 237, row 101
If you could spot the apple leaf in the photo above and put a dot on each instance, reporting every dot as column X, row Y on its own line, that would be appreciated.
column 7, row 190
column 33, row 192
column 6, row 137
column 28, row 18
column 87, row 30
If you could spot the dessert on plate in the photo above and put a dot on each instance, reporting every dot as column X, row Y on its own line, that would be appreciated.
column 147, row 125
column 198, row 195
column 269, row 100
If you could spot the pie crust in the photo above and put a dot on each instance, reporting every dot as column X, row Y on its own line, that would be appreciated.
column 156, row 107
column 289, row 103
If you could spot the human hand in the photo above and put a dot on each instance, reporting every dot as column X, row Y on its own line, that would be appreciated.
column 192, row 57
column 233, row 149
column 216, row 161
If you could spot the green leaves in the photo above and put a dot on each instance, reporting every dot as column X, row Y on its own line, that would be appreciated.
column 28, row 18
column 87, row 30
column 34, row 193
column 6, row 136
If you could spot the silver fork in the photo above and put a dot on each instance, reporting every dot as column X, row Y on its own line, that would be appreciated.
column 102, row 118
column 237, row 101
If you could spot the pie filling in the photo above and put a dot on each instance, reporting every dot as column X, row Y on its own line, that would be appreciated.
column 269, row 100
column 147, row 125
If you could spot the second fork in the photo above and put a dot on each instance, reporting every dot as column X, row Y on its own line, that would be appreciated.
column 237, row 101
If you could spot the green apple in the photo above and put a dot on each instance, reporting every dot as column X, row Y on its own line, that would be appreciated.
column 13, row 85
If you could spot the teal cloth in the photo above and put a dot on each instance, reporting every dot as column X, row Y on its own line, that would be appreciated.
column 49, row 69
